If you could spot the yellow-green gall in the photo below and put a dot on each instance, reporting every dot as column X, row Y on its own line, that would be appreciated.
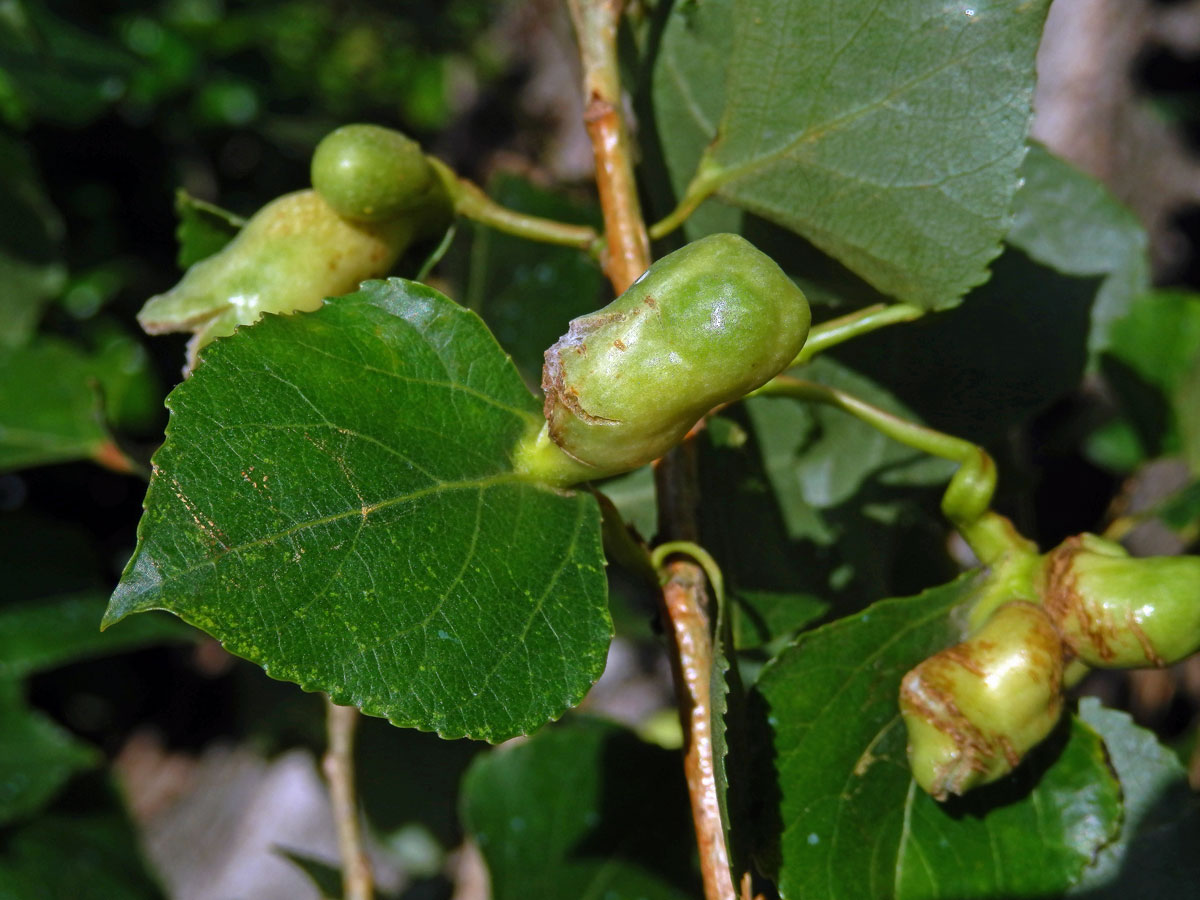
column 703, row 326
column 290, row 256
column 1117, row 611
column 975, row 709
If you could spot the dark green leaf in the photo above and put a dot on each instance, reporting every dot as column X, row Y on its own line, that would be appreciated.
column 773, row 585
column 633, row 495
column 1154, row 858
column 32, row 548
column 1066, row 219
column 582, row 810
column 819, row 457
column 36, row 756
column 56, row 71
column 1187, row 412
column 816, row 508
column 1182, row 509
column 688, row 88
column 1151, row 364
column 335, row 501
column 43, row 634
column 83, row 849
column 203, row 228
column 325, row 878
column 50, row 409
column 1160, row 337
column 1018, row 343
column 841, row 814
column 31, row 270
column 413, row 779
column 904, row 172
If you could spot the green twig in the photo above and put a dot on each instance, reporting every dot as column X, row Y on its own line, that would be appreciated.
column 968, row 497
column 471, row 201
column 705, row 181
column 845, row 328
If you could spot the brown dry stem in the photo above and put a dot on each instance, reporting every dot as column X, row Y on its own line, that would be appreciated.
column 338, row 765
column 627, row 257
column 683, row 609
column 628, row 248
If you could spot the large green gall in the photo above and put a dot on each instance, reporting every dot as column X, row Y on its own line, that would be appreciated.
column 290, row 256
column 974, row 710
column 1117, row 611
column 702, row 327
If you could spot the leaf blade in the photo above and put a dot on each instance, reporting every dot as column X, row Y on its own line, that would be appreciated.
column 384, row 552
column 850, row 822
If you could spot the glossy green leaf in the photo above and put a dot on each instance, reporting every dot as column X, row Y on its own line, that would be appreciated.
column 203, row 228
column 36, row 756
column 335, row 501
column 841, row 815
column 42, row 634
column 1154, row 858
column 51, row 409
column 1068, row 220
column 582, row 810
column 904, row 172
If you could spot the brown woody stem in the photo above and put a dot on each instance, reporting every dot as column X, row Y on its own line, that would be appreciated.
column 628, row 248
column 338, row 764
column 627, row 257
column 683, row 606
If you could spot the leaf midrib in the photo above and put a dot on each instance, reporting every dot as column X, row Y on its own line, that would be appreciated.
column 363, row 512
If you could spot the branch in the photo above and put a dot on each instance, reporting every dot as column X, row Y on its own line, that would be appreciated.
column 628, row 256
column 628, row 251
column 338, row 766
column 684, row 602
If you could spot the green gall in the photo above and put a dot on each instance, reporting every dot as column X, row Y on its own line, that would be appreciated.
column 974, row 710
column 703, row 326
column 1117, row 611
column 290, row 256
column 371, row 174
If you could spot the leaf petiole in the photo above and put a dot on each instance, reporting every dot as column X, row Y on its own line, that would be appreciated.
column 470, row 201
column 968, row 496
column 855, row 324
